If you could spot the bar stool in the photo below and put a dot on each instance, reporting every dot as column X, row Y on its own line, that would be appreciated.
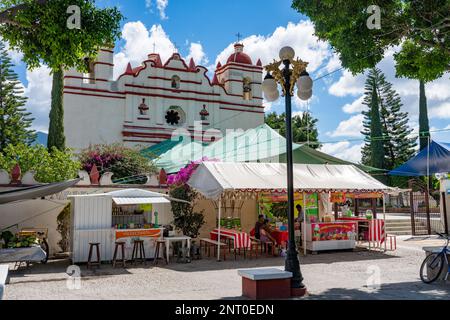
column 90, row 262
column 159, row 244
column 138, row 249
column 122, row 246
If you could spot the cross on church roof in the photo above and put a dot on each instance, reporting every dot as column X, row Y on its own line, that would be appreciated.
column 154, row 47
column 239, row 37
column 175, row 47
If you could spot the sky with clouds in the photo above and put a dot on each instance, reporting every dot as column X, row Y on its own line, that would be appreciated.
column 206, row 31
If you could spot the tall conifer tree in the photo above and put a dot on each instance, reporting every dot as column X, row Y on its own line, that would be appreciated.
column 424, row 125
column 393, row 131
column 15, row 121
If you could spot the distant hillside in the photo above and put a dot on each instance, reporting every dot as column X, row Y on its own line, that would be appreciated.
column 41, row 138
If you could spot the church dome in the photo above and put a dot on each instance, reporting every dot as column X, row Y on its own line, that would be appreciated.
column 239, row 56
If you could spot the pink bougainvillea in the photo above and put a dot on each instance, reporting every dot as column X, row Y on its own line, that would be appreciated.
column 183, row 176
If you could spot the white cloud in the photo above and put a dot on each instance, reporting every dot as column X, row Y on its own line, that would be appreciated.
column 438, row 93
column 38, row 92
column 299, row 36
column 348, row 85
column 349, row 128
column 139, row 43
column 356, row 106
column 198, row 54
column 441, row 111
column 161, row 5
column 344, row 150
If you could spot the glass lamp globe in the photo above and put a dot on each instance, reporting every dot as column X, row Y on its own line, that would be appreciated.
column 287, row 53
column 304, row 95
column 269, row 85
column 273, row 96
column 305, row 83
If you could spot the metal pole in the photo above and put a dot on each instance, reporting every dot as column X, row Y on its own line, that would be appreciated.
column 219, row 226
column 292, row 263
column 384, row 222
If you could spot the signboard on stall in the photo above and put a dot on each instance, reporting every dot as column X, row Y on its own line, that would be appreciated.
column 141, row 233
column 338, row 197
column 333, row 231
column 369, row 195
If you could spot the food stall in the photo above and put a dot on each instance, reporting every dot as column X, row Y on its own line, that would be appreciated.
column 219, row 181
column 124, row 215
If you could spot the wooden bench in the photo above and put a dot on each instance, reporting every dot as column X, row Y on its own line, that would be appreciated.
column 212, row 243
column 3, row 279
column 261, row 284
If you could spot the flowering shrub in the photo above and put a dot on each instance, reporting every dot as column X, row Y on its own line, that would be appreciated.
column 185, row 219
column 183, row 176
column 127, row 164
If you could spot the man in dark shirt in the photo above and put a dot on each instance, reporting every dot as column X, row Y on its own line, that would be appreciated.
column 259, row 224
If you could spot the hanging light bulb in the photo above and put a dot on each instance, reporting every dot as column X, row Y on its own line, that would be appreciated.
column 272, row 96
column 287, row 53
column 304, row 95
column 269, row 85
column 305, row 83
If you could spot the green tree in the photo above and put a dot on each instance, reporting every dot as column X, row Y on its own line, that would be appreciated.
column 376, row 133
column 421, row 28
column 424, row 125
column 40, row 30
column 304, row 127
column 15, row 121
column 186, row 219
column 396, row 138
column 56, row 137
column 54, row 166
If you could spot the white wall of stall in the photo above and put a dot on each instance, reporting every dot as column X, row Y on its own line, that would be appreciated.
column 91, row 221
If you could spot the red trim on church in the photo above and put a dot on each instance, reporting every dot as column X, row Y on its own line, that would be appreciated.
column 93, row 95
column 161, row 96
column 169, row 79
column 104, row 63
column 86, row 78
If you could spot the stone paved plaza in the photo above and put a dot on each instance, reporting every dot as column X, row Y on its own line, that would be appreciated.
column 338, row 275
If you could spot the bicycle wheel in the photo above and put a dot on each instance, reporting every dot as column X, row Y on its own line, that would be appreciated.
column 45, row 247
column 432, row 267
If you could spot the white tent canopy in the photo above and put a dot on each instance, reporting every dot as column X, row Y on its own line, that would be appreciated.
column 212, row 179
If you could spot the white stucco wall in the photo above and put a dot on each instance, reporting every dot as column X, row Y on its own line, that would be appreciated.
column 108, row 111
column 34, row 214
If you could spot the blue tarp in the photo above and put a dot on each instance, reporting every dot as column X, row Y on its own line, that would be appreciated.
column 439, row 162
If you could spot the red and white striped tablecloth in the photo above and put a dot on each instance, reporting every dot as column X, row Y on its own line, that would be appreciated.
column 377, row 230
column 241, row 239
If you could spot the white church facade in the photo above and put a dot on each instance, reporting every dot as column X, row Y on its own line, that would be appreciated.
column 146, row 104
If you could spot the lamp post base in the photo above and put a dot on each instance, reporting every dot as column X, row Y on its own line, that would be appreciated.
column 298, row 292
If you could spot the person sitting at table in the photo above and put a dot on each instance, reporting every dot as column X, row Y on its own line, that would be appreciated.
column 258, row 226
column 265, row 233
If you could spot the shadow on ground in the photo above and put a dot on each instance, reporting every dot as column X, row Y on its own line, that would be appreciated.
column 393, row 291
column 206, row 264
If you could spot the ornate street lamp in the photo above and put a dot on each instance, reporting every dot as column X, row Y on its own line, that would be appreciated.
column 287, row 77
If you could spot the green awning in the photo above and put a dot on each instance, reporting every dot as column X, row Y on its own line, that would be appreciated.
column 161, row 148
column 261, row 144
